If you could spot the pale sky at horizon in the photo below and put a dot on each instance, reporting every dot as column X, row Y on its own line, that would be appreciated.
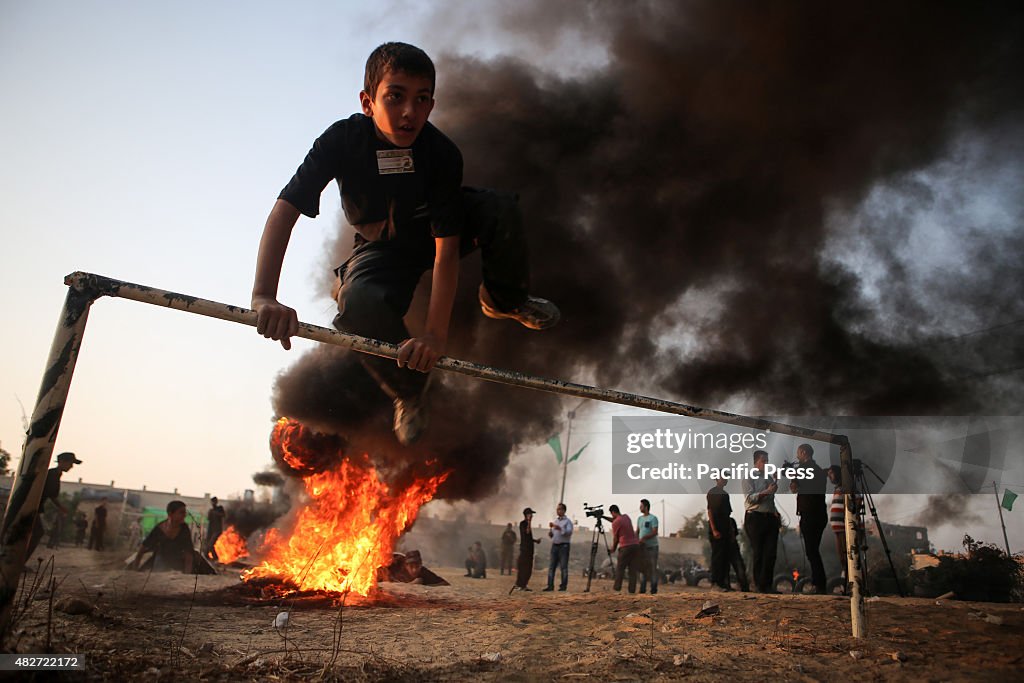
column 147, row 142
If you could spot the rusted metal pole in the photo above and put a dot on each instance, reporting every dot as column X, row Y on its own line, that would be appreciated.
column 23, row 504
column 854, row 571
column 182, row 302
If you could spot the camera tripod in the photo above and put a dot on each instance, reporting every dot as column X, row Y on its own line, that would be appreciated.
column 598, row 532
column 860, row 487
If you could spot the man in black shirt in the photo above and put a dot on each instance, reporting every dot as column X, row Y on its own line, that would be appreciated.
column 400, row 180
column 508, row 546
column 813, row 512
column 720, row 522
column 99, row 526
column 51, row 492
column 215, row 527
column 524, row 564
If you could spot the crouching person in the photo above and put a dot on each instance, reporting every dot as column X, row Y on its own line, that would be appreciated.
column 170, row 542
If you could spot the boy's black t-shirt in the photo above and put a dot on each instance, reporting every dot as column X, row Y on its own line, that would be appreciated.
column 402, row 196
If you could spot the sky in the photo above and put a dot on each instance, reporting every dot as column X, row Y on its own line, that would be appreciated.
column 147, row 142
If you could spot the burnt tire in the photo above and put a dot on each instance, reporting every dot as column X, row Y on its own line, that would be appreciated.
column 703, row 580
column 783, row 583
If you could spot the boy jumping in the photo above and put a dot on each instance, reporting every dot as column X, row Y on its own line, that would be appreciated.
column 401, row 189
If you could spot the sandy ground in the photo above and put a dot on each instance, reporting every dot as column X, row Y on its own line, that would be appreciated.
column 171, row 627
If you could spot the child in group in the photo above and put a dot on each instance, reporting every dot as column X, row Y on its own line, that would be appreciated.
column 401, row 189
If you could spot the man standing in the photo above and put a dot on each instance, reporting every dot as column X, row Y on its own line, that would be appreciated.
column 51, row 492
column 647, row 530
column 813, row 512
column 560, row 533
column 508, row 544
column 736, row 558
column 99, row 526
column 837, row 517
column 761, row 522
column 720, row 521
column 630, row 553
column 81, row 524
column 215, row 526
column 524, row 566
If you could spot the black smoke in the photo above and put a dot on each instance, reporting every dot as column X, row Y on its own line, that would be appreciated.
column 267, row 478
column 679, row 202
column 945, row 509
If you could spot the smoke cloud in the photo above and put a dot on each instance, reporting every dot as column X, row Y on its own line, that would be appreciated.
column 685, row 203
column 947, row 509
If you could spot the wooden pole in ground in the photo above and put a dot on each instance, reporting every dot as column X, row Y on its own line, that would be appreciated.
column 854, row 570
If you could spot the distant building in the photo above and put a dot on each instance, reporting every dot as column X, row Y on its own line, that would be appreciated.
column 124, row 505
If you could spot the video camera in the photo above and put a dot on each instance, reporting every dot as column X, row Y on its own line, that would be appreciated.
column 596, row 511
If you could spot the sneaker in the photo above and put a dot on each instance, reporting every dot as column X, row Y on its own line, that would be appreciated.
column 535, row 313
column 549, row 588
column 561, row 588
column 410, row 419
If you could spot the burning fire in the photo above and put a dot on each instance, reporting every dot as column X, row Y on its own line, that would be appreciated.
column 230, row 546
column 350, row 523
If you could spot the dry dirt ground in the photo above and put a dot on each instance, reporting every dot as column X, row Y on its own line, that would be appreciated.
column 171, row 627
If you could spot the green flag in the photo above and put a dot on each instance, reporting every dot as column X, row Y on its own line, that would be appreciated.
column 1008, row 498
column 556, row 446
column 579, row 451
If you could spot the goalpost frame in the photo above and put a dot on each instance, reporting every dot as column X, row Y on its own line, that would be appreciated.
column 20, row 517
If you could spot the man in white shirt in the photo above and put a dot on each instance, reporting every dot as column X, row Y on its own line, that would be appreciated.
column 761, row 522
column 560, row 532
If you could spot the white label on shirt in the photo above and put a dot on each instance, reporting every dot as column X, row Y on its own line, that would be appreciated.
column 394, row 161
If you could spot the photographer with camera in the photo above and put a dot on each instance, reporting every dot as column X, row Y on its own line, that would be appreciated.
column 560, row 533
column 761, row 522
column 630, row 553
column 813, row 512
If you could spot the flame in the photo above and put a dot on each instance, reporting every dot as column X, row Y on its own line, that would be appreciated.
column 230, row 546
column 349, row 525
column 796, row 575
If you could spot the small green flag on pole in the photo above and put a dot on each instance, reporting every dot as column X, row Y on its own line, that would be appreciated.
column 1008, row 498
column 556, row 446
column 579, row 451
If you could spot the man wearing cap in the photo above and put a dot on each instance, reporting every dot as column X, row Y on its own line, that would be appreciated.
column 51, row 492
column 524, row 567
